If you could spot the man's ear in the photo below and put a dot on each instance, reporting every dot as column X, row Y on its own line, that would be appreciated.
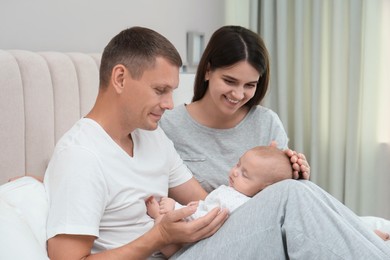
column 118, row 77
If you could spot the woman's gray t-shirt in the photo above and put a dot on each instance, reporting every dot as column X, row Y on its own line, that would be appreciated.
column 210, row 153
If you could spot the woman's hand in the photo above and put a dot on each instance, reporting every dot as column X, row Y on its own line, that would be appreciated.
column 301, row 168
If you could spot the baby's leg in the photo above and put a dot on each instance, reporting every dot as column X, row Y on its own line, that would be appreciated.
column 153, row 210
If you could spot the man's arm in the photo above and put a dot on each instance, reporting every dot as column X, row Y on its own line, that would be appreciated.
column 171, row 230
column 79, row 247
column 187, row 192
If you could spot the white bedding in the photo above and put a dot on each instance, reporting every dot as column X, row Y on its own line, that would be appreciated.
column 23, row 208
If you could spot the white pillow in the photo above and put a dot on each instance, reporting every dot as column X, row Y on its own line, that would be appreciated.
column 23, row 207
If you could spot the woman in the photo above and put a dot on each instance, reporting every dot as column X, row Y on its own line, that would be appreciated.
column 225, row 118
column 287, row 219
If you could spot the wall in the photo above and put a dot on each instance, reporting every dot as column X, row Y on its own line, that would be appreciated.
column 87, row 26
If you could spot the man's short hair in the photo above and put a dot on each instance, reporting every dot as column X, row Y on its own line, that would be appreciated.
column 137, row 49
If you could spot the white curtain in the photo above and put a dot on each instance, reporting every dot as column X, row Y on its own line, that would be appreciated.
column 330, row 84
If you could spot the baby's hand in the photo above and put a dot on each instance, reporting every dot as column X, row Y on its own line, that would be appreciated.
column 166, row 205
column 193, row 203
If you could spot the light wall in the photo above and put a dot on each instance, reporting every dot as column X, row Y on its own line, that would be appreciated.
column 87, row 26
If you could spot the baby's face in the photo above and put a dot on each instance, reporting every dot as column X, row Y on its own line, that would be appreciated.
column 249, row 175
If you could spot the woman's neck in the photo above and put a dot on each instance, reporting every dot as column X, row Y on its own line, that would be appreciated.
column 210, row 116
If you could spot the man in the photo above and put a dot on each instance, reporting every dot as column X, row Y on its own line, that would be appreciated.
column 104, row 168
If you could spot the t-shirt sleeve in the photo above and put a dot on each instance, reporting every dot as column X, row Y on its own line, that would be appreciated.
column 278, row 132
column 76, row 191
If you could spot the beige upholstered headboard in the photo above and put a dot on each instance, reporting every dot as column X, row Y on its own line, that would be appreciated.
column 42, row 94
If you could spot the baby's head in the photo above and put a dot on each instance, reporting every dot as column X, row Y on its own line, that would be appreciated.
column 259, row 167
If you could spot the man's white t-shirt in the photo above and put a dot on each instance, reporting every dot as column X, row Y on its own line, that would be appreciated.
column 95, row 188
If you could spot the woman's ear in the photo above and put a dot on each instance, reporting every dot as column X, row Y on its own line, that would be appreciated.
column 118, row 77
column 207, row 74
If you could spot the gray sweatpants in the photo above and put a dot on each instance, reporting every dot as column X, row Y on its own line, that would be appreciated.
column 290, row 220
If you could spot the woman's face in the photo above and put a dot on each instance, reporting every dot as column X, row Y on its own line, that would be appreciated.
column 231, row 87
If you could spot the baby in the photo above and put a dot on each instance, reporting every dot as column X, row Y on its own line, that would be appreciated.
column 258, row 168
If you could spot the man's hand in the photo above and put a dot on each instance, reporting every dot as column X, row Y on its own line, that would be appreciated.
column 174, row 230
